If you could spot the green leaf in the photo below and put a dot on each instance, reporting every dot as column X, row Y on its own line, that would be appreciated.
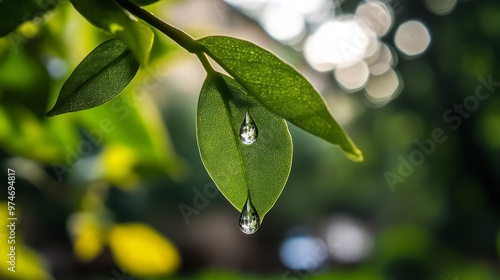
column 280, row 88
column 101, row 76
column 260, row 169
column 15, row 12
column 106, row 14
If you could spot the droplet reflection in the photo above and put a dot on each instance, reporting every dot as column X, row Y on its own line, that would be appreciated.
column 248, row 130
column 249, row 218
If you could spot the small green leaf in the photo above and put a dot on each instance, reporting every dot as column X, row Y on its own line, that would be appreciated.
column 280, row 88
column 260, row 169
column 16, row 12
column 101, row 76
column 106, row 14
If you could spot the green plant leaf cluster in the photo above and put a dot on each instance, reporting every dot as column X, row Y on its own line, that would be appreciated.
column 261, row 84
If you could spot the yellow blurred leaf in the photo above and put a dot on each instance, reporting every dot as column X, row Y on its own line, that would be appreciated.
column 87, row 235
column 142, row 251
column 119, row 161
column 26, row 263
column 29, row 265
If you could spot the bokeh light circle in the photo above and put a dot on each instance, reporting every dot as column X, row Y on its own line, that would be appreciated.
column 354, row 77
column 376, row 15
column 412, row 38
column 283, row 24
column 348, row 240
column 382, row 88
column 440, row 7
column 383, row 62
column 340, row 43
column 303, row 252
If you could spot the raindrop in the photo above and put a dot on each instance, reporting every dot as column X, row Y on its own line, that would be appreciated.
column 249, row 218
column 248, row 130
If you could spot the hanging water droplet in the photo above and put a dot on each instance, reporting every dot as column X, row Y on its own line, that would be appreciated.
column 249, row 218
column 248, row 130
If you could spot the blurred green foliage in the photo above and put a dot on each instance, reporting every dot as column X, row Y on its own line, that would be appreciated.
column 94, row 174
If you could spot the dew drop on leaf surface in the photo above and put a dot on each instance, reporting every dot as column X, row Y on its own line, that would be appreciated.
column 248, row 130
column 249, row 218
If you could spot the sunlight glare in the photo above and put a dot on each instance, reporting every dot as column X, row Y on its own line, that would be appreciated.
column 305, row 7
column 341, row 43
column 283, row 24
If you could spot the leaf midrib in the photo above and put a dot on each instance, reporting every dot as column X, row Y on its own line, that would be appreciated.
column 225, row 86
column 94, row 76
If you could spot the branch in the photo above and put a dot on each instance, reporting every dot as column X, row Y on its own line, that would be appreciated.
column 180, row 37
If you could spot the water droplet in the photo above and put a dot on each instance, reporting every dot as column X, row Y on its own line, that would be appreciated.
column 248, row 130
column 249, row 218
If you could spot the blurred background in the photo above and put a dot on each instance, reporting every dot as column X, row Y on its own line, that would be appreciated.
column 119, row 191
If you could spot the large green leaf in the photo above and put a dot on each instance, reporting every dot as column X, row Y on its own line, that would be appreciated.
column 280, row 88
column 101, row 76
column 15, row 12
column 260, row 169
column 106, row 14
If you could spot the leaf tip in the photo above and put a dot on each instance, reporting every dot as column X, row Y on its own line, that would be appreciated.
column 358, row 157
column 51, row 113
column 355, row 155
